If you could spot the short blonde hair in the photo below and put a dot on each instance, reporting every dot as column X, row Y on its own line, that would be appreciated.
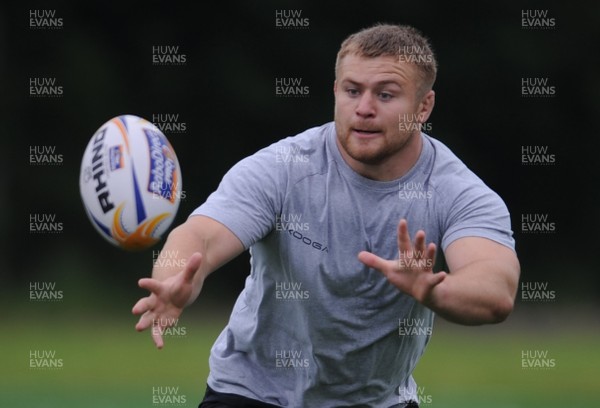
column 402, row 41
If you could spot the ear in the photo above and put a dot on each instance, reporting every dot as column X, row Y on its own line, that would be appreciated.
column 426, row 106
column 334, row 86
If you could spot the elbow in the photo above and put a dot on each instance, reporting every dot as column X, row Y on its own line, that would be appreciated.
column 505, row 300
column 502, row 309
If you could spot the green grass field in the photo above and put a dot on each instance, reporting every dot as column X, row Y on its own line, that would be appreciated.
column 107, row 364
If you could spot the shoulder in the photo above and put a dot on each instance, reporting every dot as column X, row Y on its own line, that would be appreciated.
column 449, row 174
column 308, row 142
column 304, row 153
column 459, row 191
column 466, row 206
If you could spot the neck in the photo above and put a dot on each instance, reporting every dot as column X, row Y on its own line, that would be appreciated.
column 390, row 168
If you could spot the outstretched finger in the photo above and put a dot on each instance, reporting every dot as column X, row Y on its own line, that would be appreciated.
column 404, row 244
column 373, row 261
column 142, row 306
column 157, row 331
column 431, row 250
column 420, row 244
column 150, row 284
column 146, row 320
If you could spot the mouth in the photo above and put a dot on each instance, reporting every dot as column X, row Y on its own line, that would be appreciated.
column 365, row 133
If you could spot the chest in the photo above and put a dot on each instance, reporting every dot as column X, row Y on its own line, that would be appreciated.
column 325, row 222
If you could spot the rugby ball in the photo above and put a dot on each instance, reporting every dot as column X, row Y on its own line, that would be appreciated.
column 130, row 182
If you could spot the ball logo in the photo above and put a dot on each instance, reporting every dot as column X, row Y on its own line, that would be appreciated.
column 124, row 155
column 163, row 175
column 116, row 157
column 98, row 172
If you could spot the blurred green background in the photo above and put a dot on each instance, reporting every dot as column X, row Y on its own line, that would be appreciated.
column 225, row 96
column 108, row 364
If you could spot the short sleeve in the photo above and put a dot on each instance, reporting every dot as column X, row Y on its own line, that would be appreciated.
column 477, row 211
column 248, row 197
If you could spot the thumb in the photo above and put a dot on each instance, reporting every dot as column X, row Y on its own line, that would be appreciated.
column 373, row 261
column 437, row 278
column 192, row 266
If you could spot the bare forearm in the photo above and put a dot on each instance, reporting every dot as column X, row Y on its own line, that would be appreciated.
column 181, row 243
column 212, row 240
column 479, row 293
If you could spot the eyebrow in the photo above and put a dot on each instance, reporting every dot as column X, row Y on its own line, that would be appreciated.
column 379, row 83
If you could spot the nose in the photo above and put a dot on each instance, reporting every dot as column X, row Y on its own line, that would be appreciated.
column 366, row 105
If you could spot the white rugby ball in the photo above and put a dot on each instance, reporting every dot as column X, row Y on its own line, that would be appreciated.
column 130, row 182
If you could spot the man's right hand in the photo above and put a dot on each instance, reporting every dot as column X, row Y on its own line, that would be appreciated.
column 204, row 245
column 167, row 299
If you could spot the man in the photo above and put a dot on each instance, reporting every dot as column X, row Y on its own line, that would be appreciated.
column 322, row 212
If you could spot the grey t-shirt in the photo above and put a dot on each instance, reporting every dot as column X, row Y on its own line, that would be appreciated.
column 313, row 326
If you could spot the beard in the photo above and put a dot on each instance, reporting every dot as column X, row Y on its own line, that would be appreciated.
column 372, row 151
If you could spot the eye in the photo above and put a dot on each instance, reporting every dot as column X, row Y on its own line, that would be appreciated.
column 385, row 96
column 352, row 91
